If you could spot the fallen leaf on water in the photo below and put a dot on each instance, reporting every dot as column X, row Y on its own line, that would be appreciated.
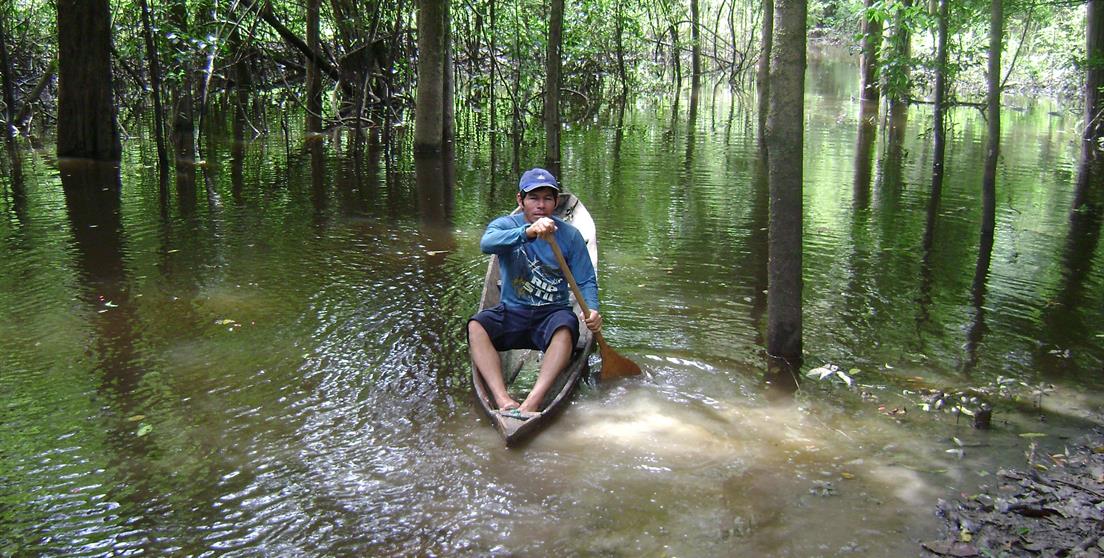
column 136, row 418
column 144, row 429
column 1040, row 467
column 888, row 367
column 847, row 475
column 435, row 252
column 1032, row 435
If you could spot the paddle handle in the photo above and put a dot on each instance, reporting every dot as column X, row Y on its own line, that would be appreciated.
column 571, row 282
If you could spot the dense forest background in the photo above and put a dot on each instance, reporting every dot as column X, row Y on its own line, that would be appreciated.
column 355, row 64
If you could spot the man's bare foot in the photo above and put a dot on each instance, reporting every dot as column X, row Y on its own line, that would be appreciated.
column 508, row 405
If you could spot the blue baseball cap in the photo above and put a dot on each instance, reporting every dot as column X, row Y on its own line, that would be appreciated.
column 537, row 178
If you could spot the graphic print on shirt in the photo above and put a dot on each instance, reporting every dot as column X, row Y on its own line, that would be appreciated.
column 540, row 284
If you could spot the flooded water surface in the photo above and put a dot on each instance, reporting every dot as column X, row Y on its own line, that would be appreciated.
column 276, row 365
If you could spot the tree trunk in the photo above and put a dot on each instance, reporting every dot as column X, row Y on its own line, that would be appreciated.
column 622, row 72
column 785, row 122
column 868, row 63
column 429, row 110
column 762, row 77
column 183, row 128
column 552, row 88
column 695, row 38
column 86, row 107
column 5, row 68
column 155, row 82
column 989, row 182
column 29, row 100
column 940, row 129
column 314, row 74
column 1094, row 76
column 898, row 83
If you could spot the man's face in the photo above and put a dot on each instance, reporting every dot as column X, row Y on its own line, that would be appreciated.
column 538, row 203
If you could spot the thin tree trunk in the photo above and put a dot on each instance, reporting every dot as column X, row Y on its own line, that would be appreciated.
column 314, row 74
column 552, row 88
column 183, row 129
column 940, row 131
column 86, row 106
column 695, row 38
column 429, row 108
column 762, row 77
column 493, row 86
column 5, row 68
column 622, row 73
column 898, row 91
column 1094, row 75
column 39, row 88
column 155, row 82
column 676, row 58
column 989, row 182
column 868, row 63
column 785, row 122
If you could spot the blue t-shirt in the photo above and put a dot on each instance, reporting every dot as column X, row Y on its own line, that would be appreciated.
column 530, row 274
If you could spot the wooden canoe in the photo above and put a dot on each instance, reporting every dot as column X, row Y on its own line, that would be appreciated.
column 516, row 428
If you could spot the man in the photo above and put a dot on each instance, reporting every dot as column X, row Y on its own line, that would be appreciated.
column 536, row 308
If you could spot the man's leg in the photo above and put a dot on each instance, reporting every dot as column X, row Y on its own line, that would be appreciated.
column 486, row 360
column 556, row 357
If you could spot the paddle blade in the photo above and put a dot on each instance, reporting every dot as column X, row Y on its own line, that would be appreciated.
column 614, row 366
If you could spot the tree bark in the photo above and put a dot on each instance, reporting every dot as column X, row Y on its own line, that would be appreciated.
column 762, row 77
column 86, row 107
column 29, row 100
column 940, row 130
column 993, row 113
column 1094, row 75
column 868, row 63
column 5, row 68
column 183, row 99
column 155, row 82
column 785, row 122
column 552, row 88
column 622, row 72
column 695, row 38
column 429, row 110
column 314, row 75
column 898, row 84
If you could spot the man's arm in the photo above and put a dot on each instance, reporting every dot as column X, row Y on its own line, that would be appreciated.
column 502, row 235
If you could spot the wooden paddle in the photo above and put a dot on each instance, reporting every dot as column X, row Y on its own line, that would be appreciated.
column 613, row 365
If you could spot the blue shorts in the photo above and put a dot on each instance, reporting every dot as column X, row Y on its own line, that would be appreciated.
column 527, row 327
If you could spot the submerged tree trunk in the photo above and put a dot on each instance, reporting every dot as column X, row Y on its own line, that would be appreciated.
column 5, row 68
column 155, row 82
column 785, row 123
column 86, row 107
column 762, row 77
column 183, row 128
column 695, row 39
column 1094, row 75
column 868, row 63
column 552, row 88
column 429, row 111
column 314, row 73
column 897, row 83
column 622, row 72
column 940, row 130
column 989, row 181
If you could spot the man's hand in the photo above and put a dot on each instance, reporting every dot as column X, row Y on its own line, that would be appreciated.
column 594, row 321
column 541, row 227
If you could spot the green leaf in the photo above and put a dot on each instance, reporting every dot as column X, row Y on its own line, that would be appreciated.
column 144, row 429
